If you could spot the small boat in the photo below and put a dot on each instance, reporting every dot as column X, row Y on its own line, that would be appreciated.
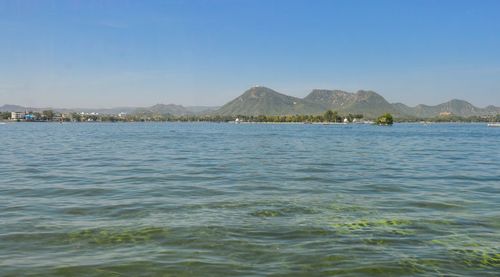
column 494, row 124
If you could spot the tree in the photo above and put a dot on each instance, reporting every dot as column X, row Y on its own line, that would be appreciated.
column 330, row 116
column 37, row 115
column 385, row 119
column 48, row 114
column 5, row 115
column 76, row 117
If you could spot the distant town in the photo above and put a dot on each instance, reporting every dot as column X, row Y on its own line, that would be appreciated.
column 51, row 116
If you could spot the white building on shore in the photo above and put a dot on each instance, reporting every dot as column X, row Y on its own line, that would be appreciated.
column 17, row 115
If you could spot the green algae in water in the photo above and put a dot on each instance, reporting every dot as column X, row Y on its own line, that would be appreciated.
column 110, row 236
column 415, row 265
column 476, row 257
column 468, row 252
column 363, row 224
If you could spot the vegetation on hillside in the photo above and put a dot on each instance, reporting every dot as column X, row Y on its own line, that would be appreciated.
column 265, row 101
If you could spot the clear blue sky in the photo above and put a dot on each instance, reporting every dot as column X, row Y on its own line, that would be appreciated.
column 136, row 53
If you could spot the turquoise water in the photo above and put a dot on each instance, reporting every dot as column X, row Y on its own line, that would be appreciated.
column 201, row 199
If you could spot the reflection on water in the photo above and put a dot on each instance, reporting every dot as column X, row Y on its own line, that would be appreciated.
column 223, row 199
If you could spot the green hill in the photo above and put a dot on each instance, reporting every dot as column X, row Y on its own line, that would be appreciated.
column 265, row 101
column 163, row 109
column 453, row 107
column 172, row 109
column 363, row 102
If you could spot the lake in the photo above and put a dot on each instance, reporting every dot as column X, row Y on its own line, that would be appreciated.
column 208, row 199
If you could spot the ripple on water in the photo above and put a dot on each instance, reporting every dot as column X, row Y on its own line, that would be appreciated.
column 249, row 200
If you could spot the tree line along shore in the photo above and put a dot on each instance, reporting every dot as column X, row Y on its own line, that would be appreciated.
column 329, row 116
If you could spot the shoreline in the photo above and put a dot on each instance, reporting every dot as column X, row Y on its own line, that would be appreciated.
column 3, row 122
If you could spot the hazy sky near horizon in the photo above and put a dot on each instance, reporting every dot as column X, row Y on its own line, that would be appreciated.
column 139, row 53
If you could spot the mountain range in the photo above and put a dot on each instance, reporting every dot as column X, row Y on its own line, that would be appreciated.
column 265, row 101
column 261, row 100
column 172, row 109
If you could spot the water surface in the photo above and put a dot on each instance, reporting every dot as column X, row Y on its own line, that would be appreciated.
column 206, row 199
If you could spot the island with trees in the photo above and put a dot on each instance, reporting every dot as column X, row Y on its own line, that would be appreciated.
column 385, row 119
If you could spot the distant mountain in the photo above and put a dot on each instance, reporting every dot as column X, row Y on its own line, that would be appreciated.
column 201, row 109
column 12, row 108
column 364, row 102
column 163, row 109
column 453, row 107
column 172, row 109
column 99, row 111
column 265, row 101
